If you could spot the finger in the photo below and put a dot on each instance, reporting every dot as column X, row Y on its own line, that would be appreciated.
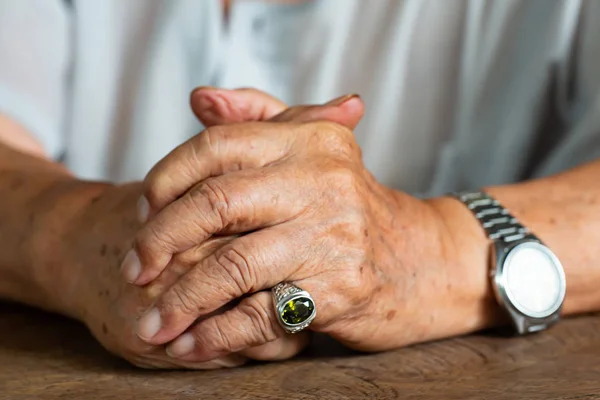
column 252, row 323
column 248, row 264
column 178, row 266
column 218, row 363
column 346, row 110
column 283, row 348
column 157, row 359
column 213, row 152
column 215, row 106
column 221, row 106
column 220, row 150
column 237, row 202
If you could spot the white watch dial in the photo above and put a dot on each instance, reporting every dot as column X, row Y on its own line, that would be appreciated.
column 534, row 279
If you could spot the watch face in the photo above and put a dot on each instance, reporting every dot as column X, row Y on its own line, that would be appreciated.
column 534, row 280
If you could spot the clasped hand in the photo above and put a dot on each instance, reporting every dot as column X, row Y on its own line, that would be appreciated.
column 290, row 186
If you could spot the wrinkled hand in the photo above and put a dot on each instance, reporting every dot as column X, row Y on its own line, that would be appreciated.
column 111, row 307
column 108, row 306
column 376, row 261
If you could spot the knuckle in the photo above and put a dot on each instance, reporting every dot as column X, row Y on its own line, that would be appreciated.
column 193, row 204
column 220, row 340
column 228, row 333
column 213, row 192
column 264, row 327
column 155, row 183
column 328, row 127
column 238, row 269
column 333, row 138
column 152, row 245
column 182, row 299
column 343, row 177
column 212, row 139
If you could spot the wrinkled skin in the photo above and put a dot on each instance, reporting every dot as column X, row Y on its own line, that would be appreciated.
column 108, row 305
column 375, row 260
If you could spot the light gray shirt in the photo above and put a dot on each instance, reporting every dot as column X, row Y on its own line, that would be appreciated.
column 459, row 93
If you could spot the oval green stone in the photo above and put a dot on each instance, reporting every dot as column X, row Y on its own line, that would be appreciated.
column 297, row 311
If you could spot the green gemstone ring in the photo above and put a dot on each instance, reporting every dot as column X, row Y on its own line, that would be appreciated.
column 295, row 308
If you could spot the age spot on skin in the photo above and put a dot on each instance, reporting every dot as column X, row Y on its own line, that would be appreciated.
column 16, row 183
column 552, row 221
column 95, row 199
column 104, row 328
column 117, row 252
column 391, row 314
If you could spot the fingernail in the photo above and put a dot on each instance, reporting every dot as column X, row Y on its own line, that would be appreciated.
column 131, row 268
column 205, row 102
column 181, row 346
column 149, row 324
column 202, row 89
column 143, row 209
column 341, row 100
column 208, row 96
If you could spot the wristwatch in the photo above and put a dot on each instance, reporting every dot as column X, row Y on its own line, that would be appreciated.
column 527, row 277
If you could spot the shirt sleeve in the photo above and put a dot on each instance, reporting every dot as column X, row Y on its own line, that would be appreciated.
column 34, row 66
column 579, row 141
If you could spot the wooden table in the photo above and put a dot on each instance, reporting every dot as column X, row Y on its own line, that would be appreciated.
column 43, row 356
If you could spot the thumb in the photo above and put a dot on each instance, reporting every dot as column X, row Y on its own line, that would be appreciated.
column 346, row 110
column 221, row 106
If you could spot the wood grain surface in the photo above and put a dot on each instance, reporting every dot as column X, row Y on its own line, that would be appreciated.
column 43, row 356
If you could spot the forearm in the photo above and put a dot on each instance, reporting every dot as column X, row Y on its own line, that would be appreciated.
column 562, row 210
column 34, row 211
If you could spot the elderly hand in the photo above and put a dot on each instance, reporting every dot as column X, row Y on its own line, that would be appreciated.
column 109, row 306
column 377, row 262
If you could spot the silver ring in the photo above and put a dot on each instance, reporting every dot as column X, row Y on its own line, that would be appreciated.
column 294, row 307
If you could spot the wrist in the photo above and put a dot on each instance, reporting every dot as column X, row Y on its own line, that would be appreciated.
column 474, row 303
column 100, row 229
column 51, row 270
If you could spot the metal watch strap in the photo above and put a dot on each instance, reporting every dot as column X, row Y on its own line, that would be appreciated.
column 498, row 223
